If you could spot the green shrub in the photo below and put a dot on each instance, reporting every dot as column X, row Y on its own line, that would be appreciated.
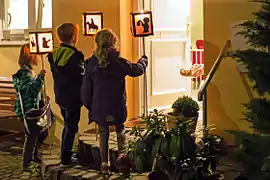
column 185, row 106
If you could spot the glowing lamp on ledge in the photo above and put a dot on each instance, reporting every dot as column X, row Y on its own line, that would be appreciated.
column 40, row 42
column 141, row 24
column 92, row 22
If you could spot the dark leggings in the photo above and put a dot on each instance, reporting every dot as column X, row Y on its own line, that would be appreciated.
column 33, row 139
column 104, row 141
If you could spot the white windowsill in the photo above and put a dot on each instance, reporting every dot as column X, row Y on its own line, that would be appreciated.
column 12, row 43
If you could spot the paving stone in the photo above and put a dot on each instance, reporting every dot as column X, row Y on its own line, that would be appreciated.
column 139, row 178
column 117, row 177
column 15, row 176
column 91, row 176
column 25, row 177
column 48, row 157
column 70, row 174
column 51, row 162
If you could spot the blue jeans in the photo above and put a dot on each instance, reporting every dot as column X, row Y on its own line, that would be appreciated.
column 71, row 120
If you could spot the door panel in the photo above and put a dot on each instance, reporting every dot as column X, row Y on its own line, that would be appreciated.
column 169, row 14
column 165, row 82
column 164, row 69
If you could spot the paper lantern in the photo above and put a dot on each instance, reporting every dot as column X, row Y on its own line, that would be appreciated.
column 41, row 42
column 141, row 24
column 92, row 22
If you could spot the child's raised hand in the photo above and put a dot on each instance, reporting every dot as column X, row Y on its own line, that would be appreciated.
column 43, row 73
column 48, row 98
column 145, row 57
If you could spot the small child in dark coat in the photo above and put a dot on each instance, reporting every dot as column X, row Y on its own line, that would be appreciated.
column 104, row 91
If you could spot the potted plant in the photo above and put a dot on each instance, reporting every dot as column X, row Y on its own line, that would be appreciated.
column 188, row 109
column 170, row 153
column 149, row 131
column 199, row 165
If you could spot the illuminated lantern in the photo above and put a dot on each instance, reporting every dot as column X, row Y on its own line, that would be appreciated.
column 141, row 24
column 92, row 22
column 40, row 42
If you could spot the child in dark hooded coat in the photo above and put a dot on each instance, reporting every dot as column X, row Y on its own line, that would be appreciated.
column 104, row 89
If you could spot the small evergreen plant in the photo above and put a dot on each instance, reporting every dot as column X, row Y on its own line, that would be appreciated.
column 253, row 148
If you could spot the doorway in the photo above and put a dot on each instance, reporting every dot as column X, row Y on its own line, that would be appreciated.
column 168, row 50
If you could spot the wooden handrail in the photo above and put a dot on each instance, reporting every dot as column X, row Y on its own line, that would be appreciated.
column 213, row 70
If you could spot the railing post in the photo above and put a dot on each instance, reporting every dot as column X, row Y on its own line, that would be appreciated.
column 202, row 96
column 205, row 113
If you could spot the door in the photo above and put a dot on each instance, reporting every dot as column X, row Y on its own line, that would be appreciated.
column 168, row 51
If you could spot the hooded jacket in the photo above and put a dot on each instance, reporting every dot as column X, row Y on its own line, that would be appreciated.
column 29, row 86
column 103, row 89
column 67, row 66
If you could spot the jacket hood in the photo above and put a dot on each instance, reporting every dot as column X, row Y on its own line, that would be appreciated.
column 17, row 76
column 62, row 55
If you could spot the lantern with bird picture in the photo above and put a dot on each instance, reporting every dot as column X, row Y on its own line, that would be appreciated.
column 41, row 42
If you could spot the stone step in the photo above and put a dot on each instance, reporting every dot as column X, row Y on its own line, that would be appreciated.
column 89, row 161
column 90, row 154
column 52, row 171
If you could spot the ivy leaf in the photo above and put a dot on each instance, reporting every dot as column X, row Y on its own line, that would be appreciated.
column 164, row 147
column 139, row 164
column 156, row 147
column 175, row 145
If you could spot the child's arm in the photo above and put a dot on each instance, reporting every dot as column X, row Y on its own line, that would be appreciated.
column 87, row 90
column 134, row 69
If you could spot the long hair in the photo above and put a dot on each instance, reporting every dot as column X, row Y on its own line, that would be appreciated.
column 25, row 57
column 105, row 40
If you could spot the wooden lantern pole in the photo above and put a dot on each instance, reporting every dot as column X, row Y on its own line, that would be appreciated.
column 43, row 67
column 145, row 92
column 45, row 99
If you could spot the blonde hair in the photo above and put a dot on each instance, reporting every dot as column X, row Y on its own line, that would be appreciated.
column 66, row 31
column 105, row 40
column 25, row 58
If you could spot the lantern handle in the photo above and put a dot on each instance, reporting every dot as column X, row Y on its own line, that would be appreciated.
column 44, row 88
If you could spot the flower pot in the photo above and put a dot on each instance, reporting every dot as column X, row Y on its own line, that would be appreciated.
column 172, row 119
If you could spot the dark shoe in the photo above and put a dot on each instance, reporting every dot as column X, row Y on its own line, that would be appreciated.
column 26, row 169
column 75, row 155
column 36, row 159
column 104, row 169
column 123, row 164
column 73, row 162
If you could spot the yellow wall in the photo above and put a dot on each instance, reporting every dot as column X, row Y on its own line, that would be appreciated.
column 196, row 19
column 226, row 93
column 126, row 40
column 9, row 60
